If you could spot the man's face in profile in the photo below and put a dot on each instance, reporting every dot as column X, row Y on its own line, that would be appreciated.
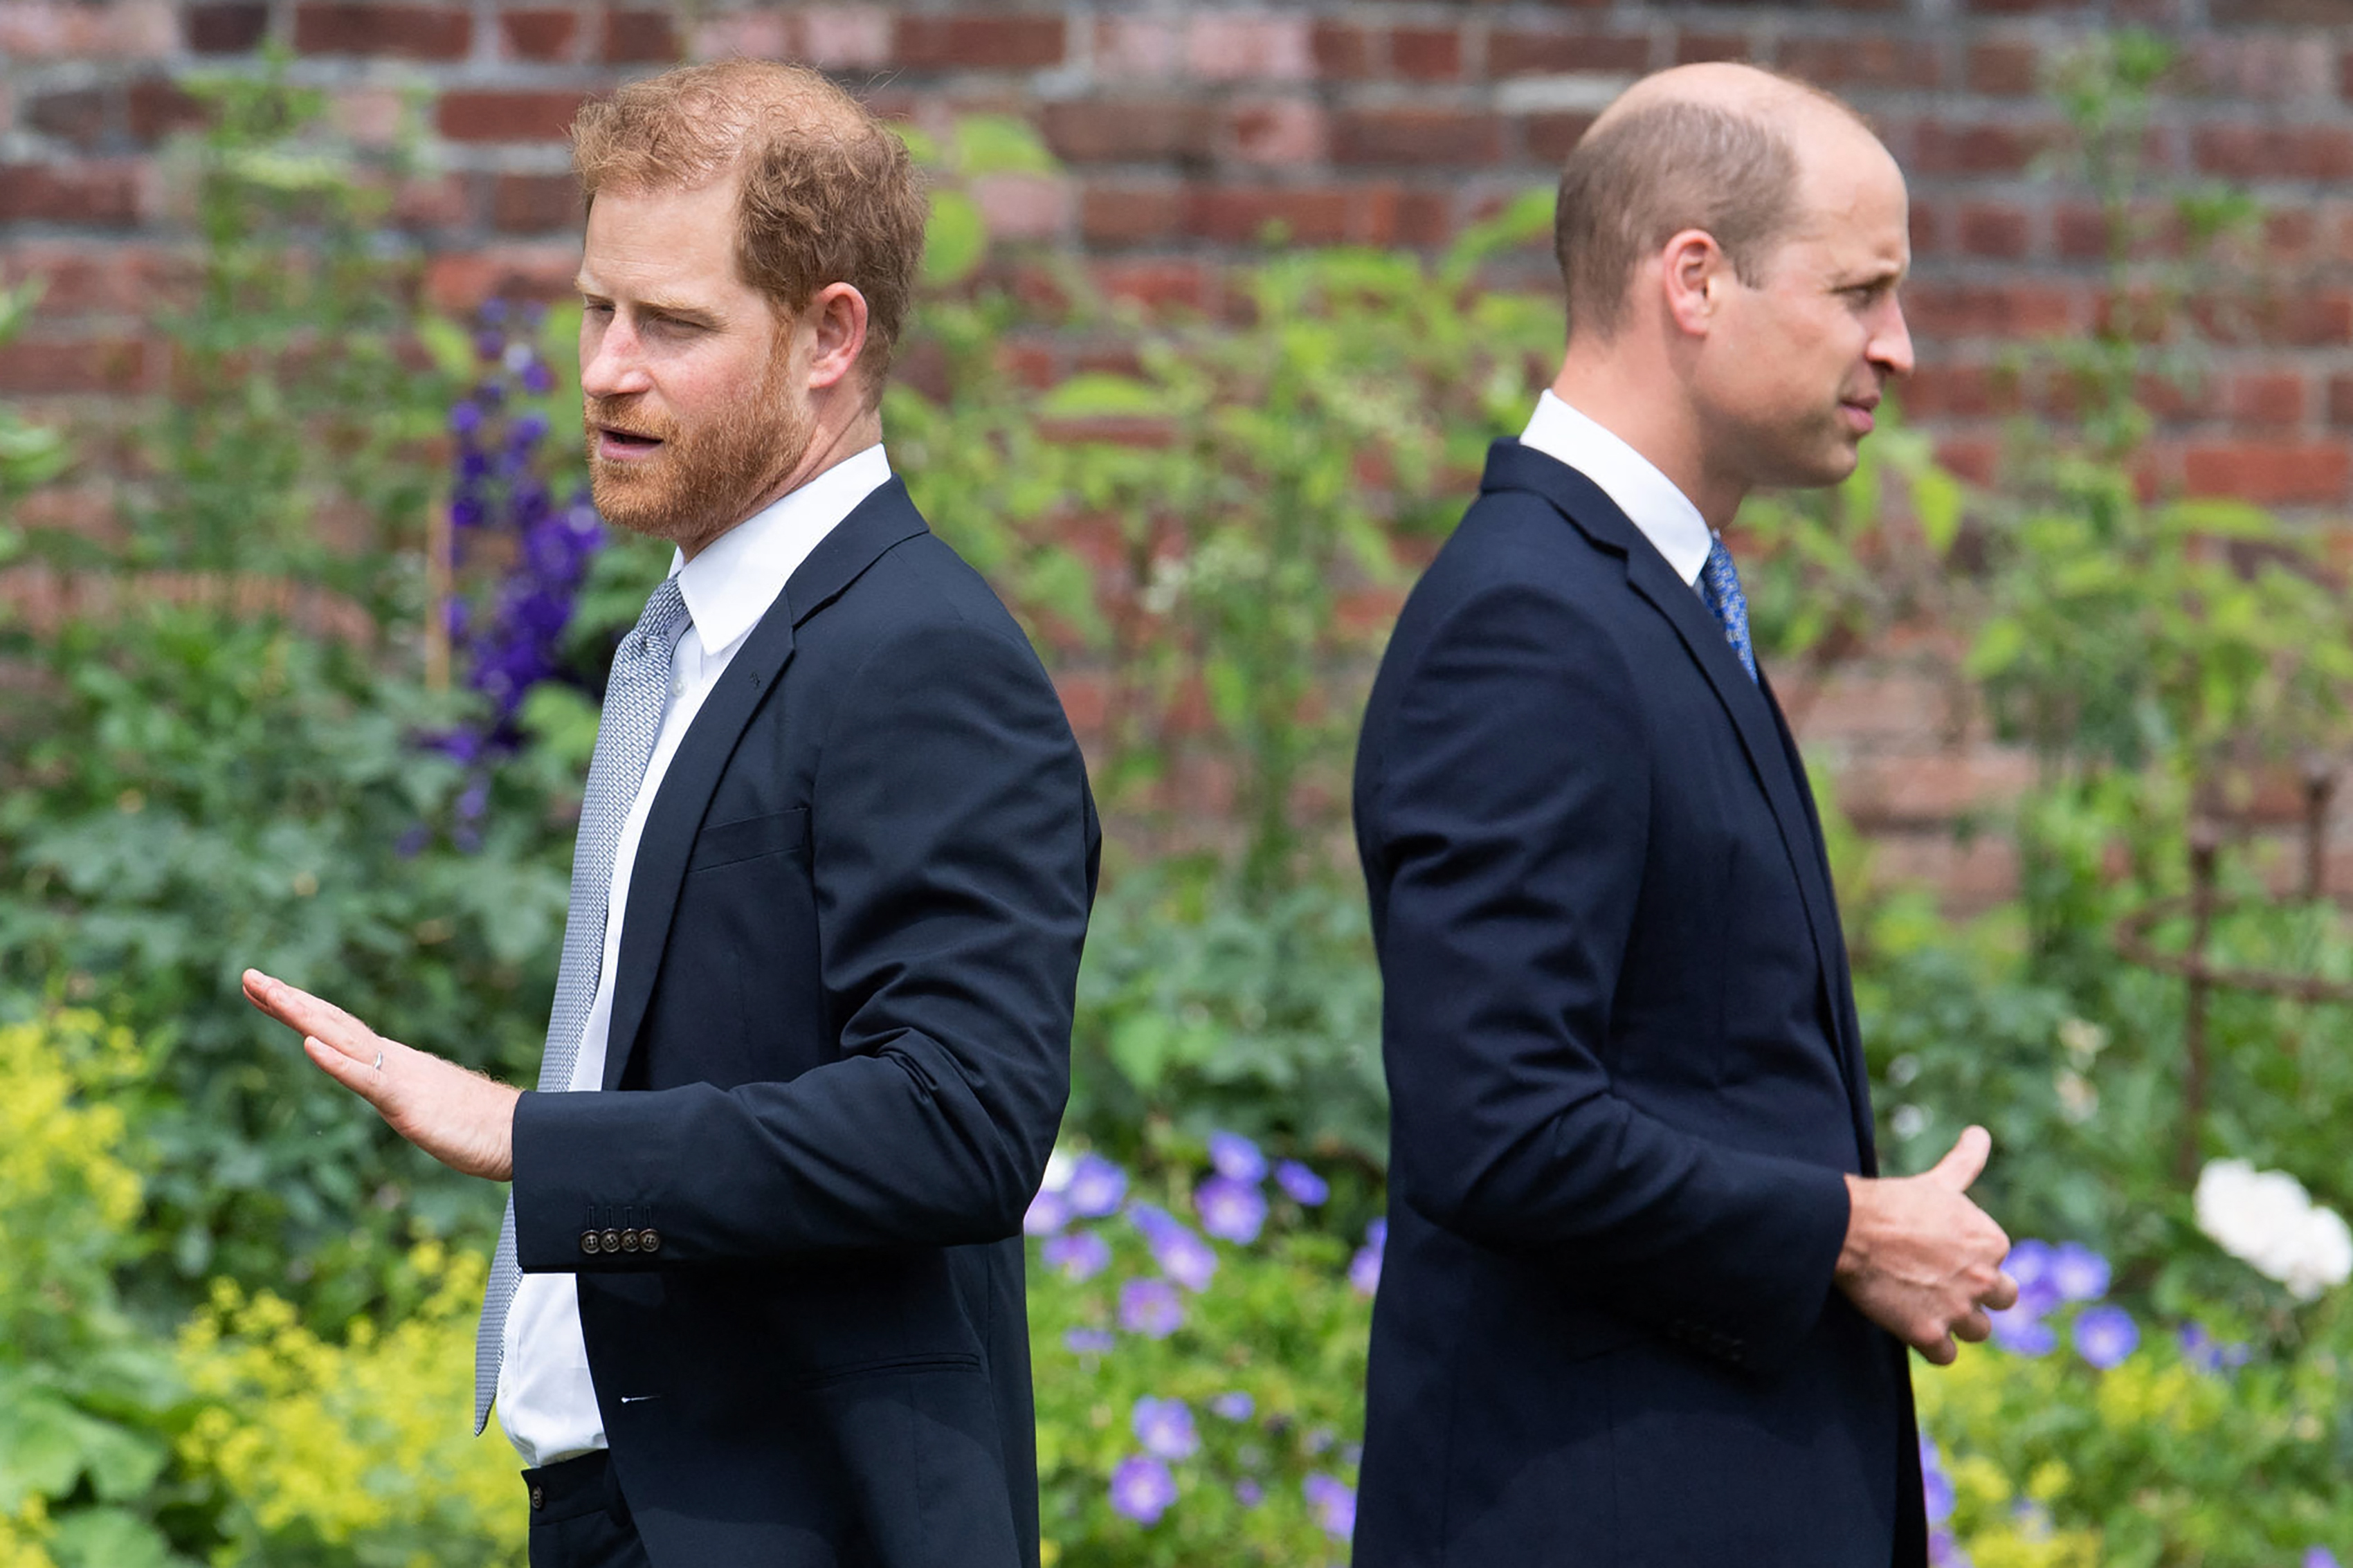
column 1799, row 360
column 689, row 405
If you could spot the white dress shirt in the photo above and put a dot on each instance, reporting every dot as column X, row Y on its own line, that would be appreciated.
column 546, row 1402
column 1664, row 514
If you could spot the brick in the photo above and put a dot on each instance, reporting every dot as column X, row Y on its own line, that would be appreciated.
column 1156, row 283
column 2266, row 397
column 1939, row 148
column 1698, row 46
column 1238, row 47
column 1856, row 704
column 2004, row 69
column 1342, row 51
column 106, row 277
column 2273, row 152
column 410, row 32
column 1865, row 61
column 1147, row 49
column 978, row 42
column 77, row 116
column 2267, row 68
column 1969, row 875
column 534, row 204
column 1425, row 54
column 1131, row 215
column 233, row 28
column 2340, row 402
column 1996, row 229
column 461, row 281
column 1417, row 136
column 1951, row 391
column 539, row 32
column 753, row 35
column 155, row 107
column 506, row 115
column 2293, row 12
column 2081, row 232
column 1924, row 789
column 2270, row 473
column 1309, row 214
column 1135, row 132
column 432, row 202
column 1025, row 206
column 845, row 37
column 95, row 193
column 47, row 366
column 1939, row 309
column 48, row 29
column 1520, row 51
column 1550, row 137
column 1286, row 133
column 638, row 37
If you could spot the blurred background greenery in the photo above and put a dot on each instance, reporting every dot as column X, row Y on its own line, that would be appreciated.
column 323, row 704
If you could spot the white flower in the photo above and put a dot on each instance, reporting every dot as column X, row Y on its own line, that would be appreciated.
column 2266, row 1219
column 2078, row 1101
column 2083, row 1040
column 1059, row 1165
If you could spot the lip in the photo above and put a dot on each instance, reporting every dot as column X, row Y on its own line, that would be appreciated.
column 610, row 448
column 1859, row 417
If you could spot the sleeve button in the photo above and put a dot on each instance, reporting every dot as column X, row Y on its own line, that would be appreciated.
column 650, row 1240
column 628, row 1241
column 589, row 1243
column 612, row 1239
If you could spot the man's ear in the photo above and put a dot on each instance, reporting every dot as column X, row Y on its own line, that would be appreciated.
column 836, row 322
column 1694, row 272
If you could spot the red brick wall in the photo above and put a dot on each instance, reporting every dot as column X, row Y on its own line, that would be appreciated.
column 1185, row 129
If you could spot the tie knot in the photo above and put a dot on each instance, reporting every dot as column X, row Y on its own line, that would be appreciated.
column 665, row 618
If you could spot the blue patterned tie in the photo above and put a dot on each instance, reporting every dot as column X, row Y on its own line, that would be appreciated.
column 1719, row 584
column 634, row 699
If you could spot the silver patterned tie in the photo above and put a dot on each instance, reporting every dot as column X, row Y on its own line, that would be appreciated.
column 634, row 699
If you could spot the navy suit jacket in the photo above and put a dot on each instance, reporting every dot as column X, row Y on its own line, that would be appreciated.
column 839, row 1054
column 1626, row 1082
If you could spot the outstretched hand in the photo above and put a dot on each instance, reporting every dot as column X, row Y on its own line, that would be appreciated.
column 455, row 1114
column 1921, row 1259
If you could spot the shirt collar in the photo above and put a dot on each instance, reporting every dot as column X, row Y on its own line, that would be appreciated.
column 1664, row 514
column 729, row 585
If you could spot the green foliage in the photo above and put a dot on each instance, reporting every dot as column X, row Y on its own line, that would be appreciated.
column 30, row 454
column 1279, row 1323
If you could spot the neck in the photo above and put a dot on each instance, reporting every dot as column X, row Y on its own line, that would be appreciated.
column 833, row 442
column 1640, row 404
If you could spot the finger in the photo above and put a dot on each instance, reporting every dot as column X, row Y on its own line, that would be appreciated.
column 313, row 1016
column 1973, row 1326
column 1939, row 1352
column 360, row 1077
column 2003, row 1296
column 1957, row 1169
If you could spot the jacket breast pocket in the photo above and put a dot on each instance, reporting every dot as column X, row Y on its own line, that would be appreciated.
column 748, row 838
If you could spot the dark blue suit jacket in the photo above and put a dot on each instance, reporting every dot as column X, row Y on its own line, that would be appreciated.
column 840, row 1047
column 1626, row 1081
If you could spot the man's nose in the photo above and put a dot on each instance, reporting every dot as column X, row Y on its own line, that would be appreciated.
column 1890, row 345
column 611, row 363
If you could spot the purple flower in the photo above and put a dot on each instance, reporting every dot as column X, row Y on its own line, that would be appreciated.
column 1048, row 1215
column 1088, row 1341
column 1236, row 1157
column 412, row 841
column 2030, row 1263
column 464, row 416
column 1306, row 1188
column 1249, row 1493
column 1231, row 1210
column 1079, row 1254
column 2077, row 1273
column 1095, row 1188
column 1335, row 1503
column 1182, row 1256
column 2321, row 1557
column 489, row 346
column 2104, row 1336
column 538, row 379
column 1234, row 1407
column 2022, row 1332
column 1944, row 1551
column 2204, row 1351
column 1165, row 1427
column 1141, row 1488
column 1365, row 1269
column 1150, row 1307
column 528, row 430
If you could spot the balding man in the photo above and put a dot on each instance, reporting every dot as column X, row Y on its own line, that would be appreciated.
column 760, row 1296
column 1646, row 1301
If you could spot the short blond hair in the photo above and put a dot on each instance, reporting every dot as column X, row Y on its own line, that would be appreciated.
column 825, row 193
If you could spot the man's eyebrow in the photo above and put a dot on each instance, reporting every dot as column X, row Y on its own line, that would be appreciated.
column 653, row 307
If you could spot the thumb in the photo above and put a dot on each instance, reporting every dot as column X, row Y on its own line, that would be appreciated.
column 1959, row 1168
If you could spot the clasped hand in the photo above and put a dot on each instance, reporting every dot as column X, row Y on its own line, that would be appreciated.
column 455, row 1114
column 1921, row 1259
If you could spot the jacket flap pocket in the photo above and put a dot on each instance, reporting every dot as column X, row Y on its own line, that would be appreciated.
column 776, row 833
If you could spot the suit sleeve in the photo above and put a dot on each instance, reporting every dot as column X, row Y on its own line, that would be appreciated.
column 953, row 856
column 1508, row 823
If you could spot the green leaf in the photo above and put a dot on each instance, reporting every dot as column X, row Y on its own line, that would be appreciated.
column 957, row 239
column 107, row 1538
column 451, row 344
column 1001, row 144
column 1936, row 502
column 1097, row 394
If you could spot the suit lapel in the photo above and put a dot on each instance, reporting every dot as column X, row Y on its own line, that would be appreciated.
column 1748, row 704
column 883, row 519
